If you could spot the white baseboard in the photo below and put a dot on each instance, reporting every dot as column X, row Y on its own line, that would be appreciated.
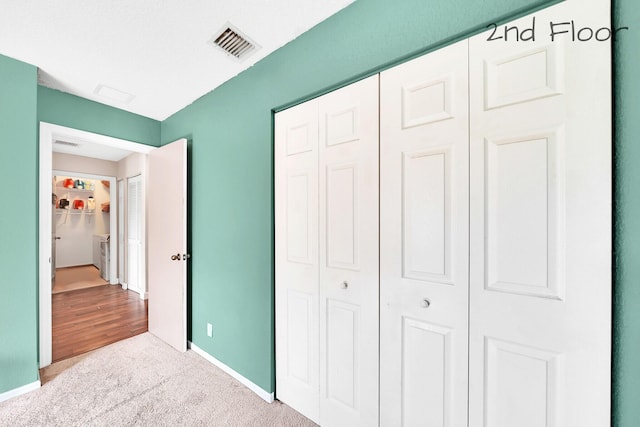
column 144, row 295
column 19, row 391
column 268, row 397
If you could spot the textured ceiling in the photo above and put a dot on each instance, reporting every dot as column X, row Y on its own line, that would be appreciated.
column 154, row 50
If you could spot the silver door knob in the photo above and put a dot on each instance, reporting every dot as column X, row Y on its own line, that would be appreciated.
column 425, row 303
column 344, row 285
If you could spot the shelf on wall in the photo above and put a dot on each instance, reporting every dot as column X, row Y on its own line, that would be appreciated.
column 75, row 211
column 75, row 190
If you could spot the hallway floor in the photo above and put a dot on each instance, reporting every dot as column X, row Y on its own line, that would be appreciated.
column 71, row 278
column 86, row 319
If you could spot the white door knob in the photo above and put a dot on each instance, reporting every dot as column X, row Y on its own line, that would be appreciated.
column 425, row 303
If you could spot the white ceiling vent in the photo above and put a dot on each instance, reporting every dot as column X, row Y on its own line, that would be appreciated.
column 113, row 94
column 67, row 143
column 232, row 41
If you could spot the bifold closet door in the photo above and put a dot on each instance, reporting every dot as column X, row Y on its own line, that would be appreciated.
column 296, row 258
column 327, row 277
column 540, row 290
column 424, row 181
column 349, row 276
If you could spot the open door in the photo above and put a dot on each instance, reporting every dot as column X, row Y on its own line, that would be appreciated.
column 167, row 243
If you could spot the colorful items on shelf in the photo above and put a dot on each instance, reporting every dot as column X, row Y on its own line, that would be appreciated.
column 81, row 203
column 78, row 184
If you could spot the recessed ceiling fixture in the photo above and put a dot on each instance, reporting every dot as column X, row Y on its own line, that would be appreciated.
column 67, row 143
column 113, row 94
column 234, row 43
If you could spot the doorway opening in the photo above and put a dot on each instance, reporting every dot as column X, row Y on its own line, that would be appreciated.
column 81, row 222
column 77, row 216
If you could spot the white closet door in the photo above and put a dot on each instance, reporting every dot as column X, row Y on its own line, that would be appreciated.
column 134, row 233
column 349, row 278
column 424, row 240
column 540, row 320
column 296, row 236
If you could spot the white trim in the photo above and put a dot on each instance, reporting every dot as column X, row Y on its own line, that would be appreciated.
column 44, row 238
column 48, row 133
column 265, row 395
column 19, row 391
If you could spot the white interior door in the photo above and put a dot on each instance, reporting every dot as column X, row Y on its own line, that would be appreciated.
column 349, row 276
column 167, row 243
column 540, row 320
column 296, row 258
column 424, row 217
column 135, row 211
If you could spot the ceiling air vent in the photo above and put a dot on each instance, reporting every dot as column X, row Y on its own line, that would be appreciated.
column 67, row 143
column 234, row 42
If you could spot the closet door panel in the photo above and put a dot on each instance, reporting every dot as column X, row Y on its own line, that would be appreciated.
column 349, row 278
column 297, row 286
column 424, row 240
column 540, row 290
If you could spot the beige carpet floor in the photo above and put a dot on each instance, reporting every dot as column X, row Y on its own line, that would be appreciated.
column 72, row 278
column 142, row 381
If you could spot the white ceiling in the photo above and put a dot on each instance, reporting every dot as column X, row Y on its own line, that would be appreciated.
column 90, row 149
column 155, row 50
column 66, row 140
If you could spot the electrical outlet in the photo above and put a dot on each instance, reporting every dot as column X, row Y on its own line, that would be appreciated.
column 209, row 330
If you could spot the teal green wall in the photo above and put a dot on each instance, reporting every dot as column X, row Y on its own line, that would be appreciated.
column 72, row 111
column 22, row 105
column 230, row 130
column 18, row 222
column 626, row 321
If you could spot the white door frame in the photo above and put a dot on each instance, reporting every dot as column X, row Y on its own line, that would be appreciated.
column 48, row 134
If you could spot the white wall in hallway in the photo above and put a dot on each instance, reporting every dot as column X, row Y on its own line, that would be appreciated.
column 77, row 228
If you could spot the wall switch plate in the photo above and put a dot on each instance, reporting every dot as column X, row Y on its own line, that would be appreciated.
column 209, row 330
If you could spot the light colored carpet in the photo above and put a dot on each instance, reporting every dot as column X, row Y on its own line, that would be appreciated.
column 72, row 278
column 142, row 381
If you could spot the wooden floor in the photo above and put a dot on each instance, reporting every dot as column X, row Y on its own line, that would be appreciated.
column 86, row 319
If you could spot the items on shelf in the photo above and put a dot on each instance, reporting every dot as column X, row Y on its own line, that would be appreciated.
column 70, row 191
